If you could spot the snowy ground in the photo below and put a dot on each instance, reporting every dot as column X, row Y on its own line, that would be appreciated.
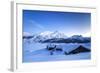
column 36, row 52
column 41, row 58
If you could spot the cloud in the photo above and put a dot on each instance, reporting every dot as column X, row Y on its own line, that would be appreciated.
column 36, row 24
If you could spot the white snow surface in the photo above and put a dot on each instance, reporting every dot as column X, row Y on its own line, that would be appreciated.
column 37, row 52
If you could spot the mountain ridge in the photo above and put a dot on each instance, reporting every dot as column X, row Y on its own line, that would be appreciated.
column 56, row 37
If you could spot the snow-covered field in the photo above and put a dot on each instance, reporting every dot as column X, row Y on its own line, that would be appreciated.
column 37, row 52
column 43, row 58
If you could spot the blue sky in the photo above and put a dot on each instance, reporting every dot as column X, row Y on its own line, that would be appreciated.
column 70, row 23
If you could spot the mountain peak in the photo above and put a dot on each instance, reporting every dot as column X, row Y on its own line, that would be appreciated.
column 55, row 34
column 45, row 33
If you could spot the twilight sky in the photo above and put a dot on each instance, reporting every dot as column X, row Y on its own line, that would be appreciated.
column 70, row 23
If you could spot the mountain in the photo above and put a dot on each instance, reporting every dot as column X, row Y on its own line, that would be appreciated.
column 27, row 35
column 56, row 37
column 80, row 39
column 50, row 35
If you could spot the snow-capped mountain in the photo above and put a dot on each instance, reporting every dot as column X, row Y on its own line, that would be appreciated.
column 46, row 33
column 80, row 37
column 50, row 35
column 57, row 37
